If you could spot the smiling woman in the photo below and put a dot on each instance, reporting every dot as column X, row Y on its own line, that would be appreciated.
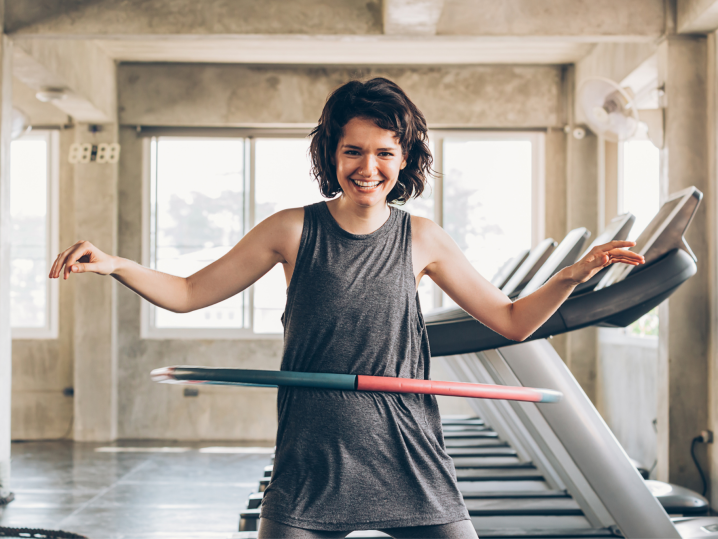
column 349, row 460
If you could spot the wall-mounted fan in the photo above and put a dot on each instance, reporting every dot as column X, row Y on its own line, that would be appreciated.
column 20, row 123
column 611, row 111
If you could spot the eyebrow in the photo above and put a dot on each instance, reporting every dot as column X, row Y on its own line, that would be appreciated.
column 359, row 147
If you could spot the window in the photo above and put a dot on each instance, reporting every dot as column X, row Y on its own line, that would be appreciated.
column 281, row 181
column 34, row 178
column 639, row 192
column 491, row 196
column 204, row 194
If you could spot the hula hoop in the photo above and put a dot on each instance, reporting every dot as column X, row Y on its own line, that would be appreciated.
column 349, row 382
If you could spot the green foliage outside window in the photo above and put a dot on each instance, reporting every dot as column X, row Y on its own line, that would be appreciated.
column 646, row 326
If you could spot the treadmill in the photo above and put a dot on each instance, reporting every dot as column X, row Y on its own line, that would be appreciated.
column 568, row 442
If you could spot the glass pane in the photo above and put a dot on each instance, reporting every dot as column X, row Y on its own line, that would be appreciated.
column 28, row 243
column 641, row 193
column 487, row 200
column 641, row 160
column 198, row 216
column 282, row 181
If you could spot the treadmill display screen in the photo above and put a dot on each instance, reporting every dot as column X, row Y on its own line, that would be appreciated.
column 618, row 272
column 655, row 224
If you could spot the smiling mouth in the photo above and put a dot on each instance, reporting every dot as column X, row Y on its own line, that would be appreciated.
column 365, row 185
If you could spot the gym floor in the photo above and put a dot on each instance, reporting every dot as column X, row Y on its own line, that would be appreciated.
column 133, row 490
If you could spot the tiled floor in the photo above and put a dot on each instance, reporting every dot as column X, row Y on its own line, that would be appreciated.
column 132, row 494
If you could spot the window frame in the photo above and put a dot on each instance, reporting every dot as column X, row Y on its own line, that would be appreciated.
column 437, row 136
column 147, row 328
column 52, row 229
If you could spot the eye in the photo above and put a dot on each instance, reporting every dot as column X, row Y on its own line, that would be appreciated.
column 386, row 154
column 351, row 152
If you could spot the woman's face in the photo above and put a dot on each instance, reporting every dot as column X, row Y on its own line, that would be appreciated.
column 368, row 161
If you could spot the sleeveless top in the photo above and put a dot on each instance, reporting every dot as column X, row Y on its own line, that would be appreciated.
column 350, row 460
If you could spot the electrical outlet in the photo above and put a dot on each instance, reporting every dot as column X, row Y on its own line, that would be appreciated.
column 94, row 153
column 707, row 436
column 191, row 392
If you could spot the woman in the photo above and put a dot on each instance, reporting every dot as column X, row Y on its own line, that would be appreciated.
column 354, row 460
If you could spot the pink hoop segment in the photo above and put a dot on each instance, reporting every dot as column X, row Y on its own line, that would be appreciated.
column 455, row 389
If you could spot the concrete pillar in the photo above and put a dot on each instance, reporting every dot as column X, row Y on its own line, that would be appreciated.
column 582, row 210
column 684, row 318
column 711, row 202
column 5, row 338
column 555, row 220
column 95, row 329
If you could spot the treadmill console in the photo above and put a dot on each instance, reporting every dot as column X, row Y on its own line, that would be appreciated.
column 509, row 268
column 564, row 255
column 663, row 234
column 537, row 257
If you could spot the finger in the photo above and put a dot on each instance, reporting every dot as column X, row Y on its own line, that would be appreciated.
column 55, row 271
column 71, row 262
column 61, row 259
column 618, row 244
column 624, row 252
column 52, row 269
column 83, row 267
column 72, row 257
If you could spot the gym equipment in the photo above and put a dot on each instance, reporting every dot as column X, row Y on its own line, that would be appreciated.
column 348, row 382
column 569, row 443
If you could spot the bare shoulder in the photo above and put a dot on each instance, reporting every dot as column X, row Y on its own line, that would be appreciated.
column 286, row 220
column 426, row 230
column 281, row 232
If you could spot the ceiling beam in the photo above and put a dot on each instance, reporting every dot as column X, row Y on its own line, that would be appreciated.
column 129, row 19
column 696, row 16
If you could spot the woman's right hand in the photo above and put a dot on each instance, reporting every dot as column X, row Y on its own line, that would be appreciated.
column 82, row 257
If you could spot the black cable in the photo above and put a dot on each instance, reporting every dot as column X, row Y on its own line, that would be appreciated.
column 36, row 533
column 696, row 440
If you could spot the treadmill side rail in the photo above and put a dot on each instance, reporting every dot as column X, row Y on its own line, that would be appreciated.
column 592, row 445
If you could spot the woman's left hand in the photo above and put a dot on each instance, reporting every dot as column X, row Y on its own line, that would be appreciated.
column 601, row 256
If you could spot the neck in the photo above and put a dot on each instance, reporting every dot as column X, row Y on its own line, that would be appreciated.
column 357, row 219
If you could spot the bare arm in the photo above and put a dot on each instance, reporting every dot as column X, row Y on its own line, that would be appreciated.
column 438, row 256
column 274, row 240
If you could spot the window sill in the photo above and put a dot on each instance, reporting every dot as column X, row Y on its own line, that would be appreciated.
column 619, row 337
column 213, row 334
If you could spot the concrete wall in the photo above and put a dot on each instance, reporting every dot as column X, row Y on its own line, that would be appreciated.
column 109, row 17
column 224, row 95
column 626, row 396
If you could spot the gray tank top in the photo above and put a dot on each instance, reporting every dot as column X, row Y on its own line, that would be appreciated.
column 358, row 460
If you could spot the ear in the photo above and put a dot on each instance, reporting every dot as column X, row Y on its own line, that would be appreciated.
column 403, row 164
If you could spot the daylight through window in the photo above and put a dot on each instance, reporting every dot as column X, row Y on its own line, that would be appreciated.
column 206, row 193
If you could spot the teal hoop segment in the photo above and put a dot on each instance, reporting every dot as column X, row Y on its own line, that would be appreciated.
column 250, row 377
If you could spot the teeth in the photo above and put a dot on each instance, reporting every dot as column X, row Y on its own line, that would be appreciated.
column 365, row 184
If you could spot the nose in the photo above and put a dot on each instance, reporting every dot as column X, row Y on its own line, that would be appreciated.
column 367, row 166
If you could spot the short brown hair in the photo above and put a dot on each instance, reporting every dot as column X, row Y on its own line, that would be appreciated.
column 384, row 103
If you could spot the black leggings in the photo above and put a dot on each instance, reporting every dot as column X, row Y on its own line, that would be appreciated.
column 464, row 529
